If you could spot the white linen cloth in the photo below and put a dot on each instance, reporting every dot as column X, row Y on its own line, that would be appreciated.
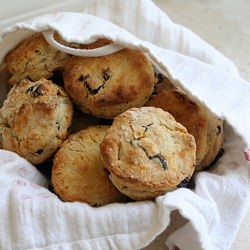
column 34, row 218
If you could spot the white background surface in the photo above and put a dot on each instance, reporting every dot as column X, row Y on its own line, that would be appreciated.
column 222, row 23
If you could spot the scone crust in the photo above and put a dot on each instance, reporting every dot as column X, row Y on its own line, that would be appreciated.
column 186, row 111
column 78, row 173
column 108, row 85
column 35, row 119
column 206, row 127
column 215, row 139
column 34, row 59
column 147, row 152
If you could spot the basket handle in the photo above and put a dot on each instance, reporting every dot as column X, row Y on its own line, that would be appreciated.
column 101, row 51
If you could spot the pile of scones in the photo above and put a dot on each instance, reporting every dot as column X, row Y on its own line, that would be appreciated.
column 112, row 128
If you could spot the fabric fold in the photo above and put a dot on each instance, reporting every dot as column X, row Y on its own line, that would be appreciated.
column 35, row 218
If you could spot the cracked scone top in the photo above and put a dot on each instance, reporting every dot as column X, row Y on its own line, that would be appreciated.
column 34, row 59
column 78, row 173
column 34, row 119
column 108, row 85
column 148, row 153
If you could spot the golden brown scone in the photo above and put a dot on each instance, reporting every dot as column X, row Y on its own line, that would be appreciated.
column 206, row 128
column 215, row 140
column 78, row 173
column 148, row 153
column 34, row 58
column 108, row 85
column 35, row 119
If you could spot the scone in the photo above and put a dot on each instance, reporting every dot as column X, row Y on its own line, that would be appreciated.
column 34, row 58
column 108, row 85
column 206, row 128
column 148, row 153
column 215, row 140
column 35, row 119
column 78, row 173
